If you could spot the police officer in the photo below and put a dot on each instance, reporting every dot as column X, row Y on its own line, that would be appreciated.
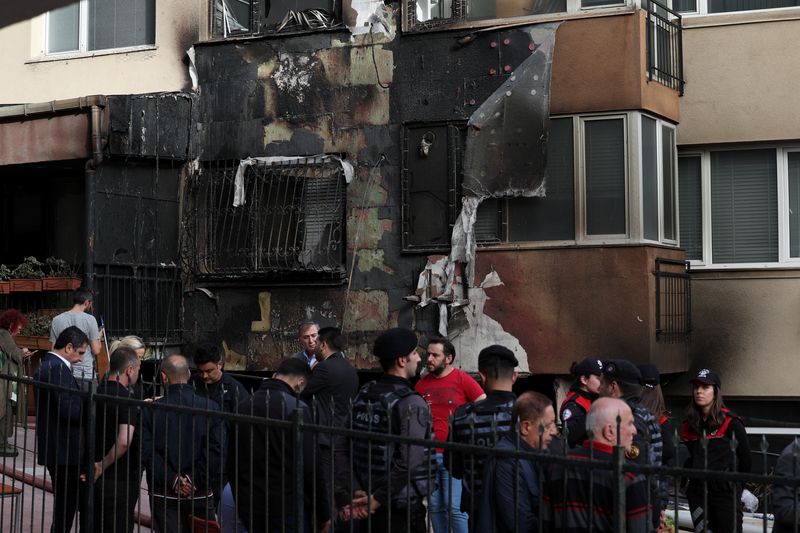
column 484, row 422
column 390, row 404
column 576, row 405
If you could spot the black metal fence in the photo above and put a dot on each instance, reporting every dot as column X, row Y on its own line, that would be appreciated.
column 664, row 45
column 189, row 466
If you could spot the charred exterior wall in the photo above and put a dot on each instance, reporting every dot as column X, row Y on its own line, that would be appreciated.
column 349, row 95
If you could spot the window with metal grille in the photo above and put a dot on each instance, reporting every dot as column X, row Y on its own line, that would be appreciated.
column 281, row 215
column 673, row 301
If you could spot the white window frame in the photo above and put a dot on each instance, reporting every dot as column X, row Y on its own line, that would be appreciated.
column 83, row 32
column 83, row 38
column 581, row 221
column 702, row 9
column 574, row 9
column 782, row 162
column 660, row 124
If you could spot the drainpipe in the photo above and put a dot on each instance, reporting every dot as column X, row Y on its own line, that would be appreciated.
column 98, row 103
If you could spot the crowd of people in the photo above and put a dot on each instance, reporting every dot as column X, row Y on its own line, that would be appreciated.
column 215, row 455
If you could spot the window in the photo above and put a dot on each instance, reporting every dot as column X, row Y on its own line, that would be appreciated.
column 253, row 17
column 752, row 199
column 90, row 25
column 604, row 161
column 726, row 6
column 423, row 14
column 282, row 217
column 658, row 181
column 588, row 186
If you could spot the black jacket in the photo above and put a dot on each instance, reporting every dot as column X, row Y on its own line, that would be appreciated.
column 227, row 392
column 262, row 463
column 333, row 385
column 181, row 444
column 573, row 415
column 784, row 497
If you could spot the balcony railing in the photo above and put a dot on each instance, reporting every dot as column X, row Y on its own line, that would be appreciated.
column 664, row 45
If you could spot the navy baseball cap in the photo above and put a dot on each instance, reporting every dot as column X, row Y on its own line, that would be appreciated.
column 590, row 365
column 622, row 370
column 650, row 375
column 707, row 377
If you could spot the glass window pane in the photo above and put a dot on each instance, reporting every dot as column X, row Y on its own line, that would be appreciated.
column 744, row 206
column 63, row 29
column 487, row 221
column 434, row 9
column 684, row 6
column 553, row 216
column 597, row 3
column 794, row 204
column 605, row 176
column 120, row 23
column 668, row 181
column 649, row 179
column 484, row 9
column 691, row 200
column 724, row 6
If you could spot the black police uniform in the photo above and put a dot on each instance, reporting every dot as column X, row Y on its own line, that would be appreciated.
column 391, row 406
column 573, row 413
column 481, row 423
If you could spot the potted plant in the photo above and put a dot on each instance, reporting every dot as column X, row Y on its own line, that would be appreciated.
column 60, row 276
column 5, row 275
column 36, row 333
column 27, row 277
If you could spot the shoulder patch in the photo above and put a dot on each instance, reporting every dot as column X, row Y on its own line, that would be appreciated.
column 565, row 414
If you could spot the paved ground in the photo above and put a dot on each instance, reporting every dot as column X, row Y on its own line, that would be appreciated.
column 35, row 500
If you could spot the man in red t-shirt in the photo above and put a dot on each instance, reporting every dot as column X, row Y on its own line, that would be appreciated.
column 445, row 388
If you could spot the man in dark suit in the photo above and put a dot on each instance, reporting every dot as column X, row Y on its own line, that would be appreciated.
column 182, row 452
column 264, row 456
column 329, row 393
column 59, row 426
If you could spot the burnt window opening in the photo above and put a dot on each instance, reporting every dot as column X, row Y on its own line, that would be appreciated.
column 283, row 219
column 431, row 192
column 426, row 14
column 234, row 18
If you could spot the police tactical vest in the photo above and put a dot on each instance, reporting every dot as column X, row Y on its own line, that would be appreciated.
column 375, row 410
column 480, row 425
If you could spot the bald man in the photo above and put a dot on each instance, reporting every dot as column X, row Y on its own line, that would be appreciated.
column 182, row 452
column 571, row 507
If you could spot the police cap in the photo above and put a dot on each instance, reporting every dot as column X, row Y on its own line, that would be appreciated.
column 394, row 343
column 590, row 365
column 622, row 370
column 650, row 375
column 707, row 377
column 497, row 355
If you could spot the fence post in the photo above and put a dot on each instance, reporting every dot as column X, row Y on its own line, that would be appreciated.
column 618, row 476
column 91, row 429
column 299, row 508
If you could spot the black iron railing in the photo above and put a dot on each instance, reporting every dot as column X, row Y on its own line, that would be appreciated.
column 664, row 45
column 278, row 466
column 143, row 300
column 673, row 300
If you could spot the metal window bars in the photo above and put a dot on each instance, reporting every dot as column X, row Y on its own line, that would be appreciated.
column 291, row 220
column 673, row 301
column 664, row 45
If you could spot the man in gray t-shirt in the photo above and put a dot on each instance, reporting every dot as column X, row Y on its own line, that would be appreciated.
column 80, row 317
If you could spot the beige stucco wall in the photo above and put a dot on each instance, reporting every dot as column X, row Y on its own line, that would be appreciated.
column 741, row 78
column 746, row 326
column 27, row 77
